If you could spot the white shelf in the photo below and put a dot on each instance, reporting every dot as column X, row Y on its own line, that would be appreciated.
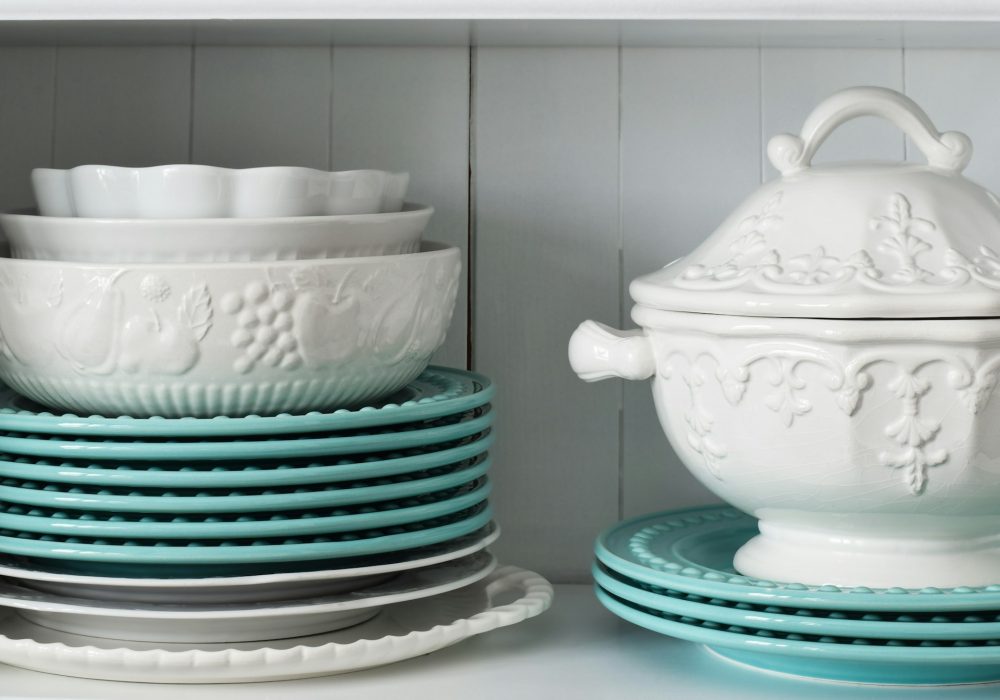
column 776, row 23
column 896, row 10
column 576, row 650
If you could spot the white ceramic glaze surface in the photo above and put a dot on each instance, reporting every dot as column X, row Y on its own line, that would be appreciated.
column 508, row 596
column 865, row 447
column 202, row 191
column 222, row 339
column 239, row 622
column 214, row 240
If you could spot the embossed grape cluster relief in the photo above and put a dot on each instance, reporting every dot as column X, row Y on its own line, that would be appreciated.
column 264, row 326
column 752, row 262
column 911, row 434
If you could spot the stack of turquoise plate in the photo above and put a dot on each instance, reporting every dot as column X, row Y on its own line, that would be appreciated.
column 171, row 511
column 672, row 573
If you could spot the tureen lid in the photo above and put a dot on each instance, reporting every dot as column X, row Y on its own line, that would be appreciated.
column 853, row 240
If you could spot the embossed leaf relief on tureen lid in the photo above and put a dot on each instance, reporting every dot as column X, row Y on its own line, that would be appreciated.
column 853, row 240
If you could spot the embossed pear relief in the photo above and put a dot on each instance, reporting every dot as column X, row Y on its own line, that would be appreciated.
column 161, row 339
column 914, row 440
column 753, row 263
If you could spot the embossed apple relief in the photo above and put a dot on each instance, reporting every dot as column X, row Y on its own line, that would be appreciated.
column 162, row 345
column 326, row 316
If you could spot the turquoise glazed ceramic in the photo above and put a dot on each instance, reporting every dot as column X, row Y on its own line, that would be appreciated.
column 169, row 559
column 692, row 550
column 179, row 502
column 237, row 475
column 240, row 526
column 896, row 662
column 382, row 439
column 438, row 392
column 835, row 623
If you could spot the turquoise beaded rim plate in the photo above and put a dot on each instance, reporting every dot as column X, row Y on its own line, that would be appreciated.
column 438, row 392
column 692, row 551
column 352, row 442
column 281, row 524
column 178, row 502
column 184, row 558
column 892, row 661
column 860, row 624
column 177, row 475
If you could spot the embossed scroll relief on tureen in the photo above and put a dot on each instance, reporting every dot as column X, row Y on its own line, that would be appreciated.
column 827, row 360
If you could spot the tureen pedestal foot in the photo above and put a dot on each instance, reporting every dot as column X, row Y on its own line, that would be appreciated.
column 784, row 552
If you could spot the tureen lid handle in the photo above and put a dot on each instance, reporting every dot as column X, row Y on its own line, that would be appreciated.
column 949, row 151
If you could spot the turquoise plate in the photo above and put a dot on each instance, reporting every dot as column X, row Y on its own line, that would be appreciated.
column 222, row 556
column 438, row 392
column 282, row 524
column 175, row 502
column 377, row 440
column 55, row 572
column 921, row 626
column 692, row 551
column 214, row 475
column 895, row 662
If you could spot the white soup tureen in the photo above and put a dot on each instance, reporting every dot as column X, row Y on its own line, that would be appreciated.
column 826, row 360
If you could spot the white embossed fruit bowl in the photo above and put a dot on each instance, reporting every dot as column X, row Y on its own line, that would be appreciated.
column 187, row 191
column 222, row 339
column 214, row 240
column 827, row 361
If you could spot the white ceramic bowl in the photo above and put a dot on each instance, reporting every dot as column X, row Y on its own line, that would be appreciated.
column 827, row 361
column 222, row 339
column 204, row 192
column 214, row 240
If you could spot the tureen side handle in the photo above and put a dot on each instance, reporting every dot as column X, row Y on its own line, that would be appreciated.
column 599, row 352
column 949, row 151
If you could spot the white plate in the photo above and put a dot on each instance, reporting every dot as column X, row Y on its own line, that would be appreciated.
column 400, row 632
column 250, row 589
column 239, row 622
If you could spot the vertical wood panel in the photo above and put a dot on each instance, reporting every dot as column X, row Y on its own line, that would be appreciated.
column 258, row 106
column 26, row 112
column 793, row 81
column 408, row 109
column 690, row 153
column 546, row 251
column 122, row 105
column 955, row 89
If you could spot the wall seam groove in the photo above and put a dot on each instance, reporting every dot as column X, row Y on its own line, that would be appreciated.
column 470, row 234
column 329, row 116
column 55, row 103
column 622, row 302
column 904, row 87
column 191, row 84
column 761, row 145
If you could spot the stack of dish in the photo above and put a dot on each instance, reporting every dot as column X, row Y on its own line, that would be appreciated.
column 227, row 453
column 672, row 573
column 827, row 361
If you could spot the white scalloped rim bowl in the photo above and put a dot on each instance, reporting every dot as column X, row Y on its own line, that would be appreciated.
column 78, row 239
column 186, row 191
column 222, row 339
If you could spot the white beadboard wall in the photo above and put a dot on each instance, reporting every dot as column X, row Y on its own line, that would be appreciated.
column 562, row 172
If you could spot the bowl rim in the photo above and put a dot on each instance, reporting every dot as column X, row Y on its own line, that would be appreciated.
column 410, row 210
column 198, row 167
column 429, row 250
